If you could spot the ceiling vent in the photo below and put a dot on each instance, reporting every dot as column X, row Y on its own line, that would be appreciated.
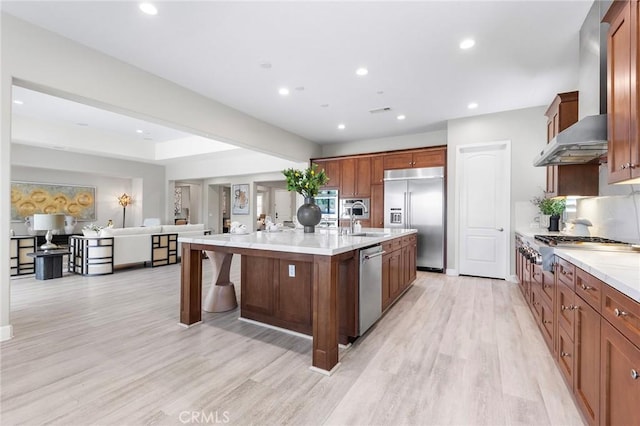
column 379, row 110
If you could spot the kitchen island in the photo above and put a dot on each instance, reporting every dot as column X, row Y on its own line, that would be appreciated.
column 324, row 262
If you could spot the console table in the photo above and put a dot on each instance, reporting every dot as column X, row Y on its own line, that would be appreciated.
column 49, row 263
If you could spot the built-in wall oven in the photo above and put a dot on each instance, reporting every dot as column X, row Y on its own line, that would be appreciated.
column 328, row 202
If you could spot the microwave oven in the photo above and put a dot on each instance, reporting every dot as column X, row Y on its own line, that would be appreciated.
column 346, row 208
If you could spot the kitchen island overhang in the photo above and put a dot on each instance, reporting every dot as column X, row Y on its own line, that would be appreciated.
column 325, row 250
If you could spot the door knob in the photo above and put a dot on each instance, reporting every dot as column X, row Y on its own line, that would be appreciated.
column 500, row 229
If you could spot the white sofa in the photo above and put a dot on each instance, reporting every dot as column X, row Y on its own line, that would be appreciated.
column 133, row 245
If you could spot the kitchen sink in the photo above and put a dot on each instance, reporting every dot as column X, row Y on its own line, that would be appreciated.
column 370, row 234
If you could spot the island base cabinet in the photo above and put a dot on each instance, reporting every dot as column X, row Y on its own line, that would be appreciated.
column 619, row 380
column 279, row 292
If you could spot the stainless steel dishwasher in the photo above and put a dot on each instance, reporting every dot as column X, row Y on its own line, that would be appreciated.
column 370, row 288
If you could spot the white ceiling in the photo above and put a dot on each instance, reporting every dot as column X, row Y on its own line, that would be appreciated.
column 525, row 53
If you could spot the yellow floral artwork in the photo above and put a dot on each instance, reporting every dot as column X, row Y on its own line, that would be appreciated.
column 28, row 198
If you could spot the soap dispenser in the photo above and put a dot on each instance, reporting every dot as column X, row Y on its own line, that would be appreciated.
column 357, row 227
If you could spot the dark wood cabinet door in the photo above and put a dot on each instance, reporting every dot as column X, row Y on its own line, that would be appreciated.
column 293, row 295
column 376, row 215
column 586, row 376
column 398, row 161
column 347, row 177
column 257, row 284
column 565, row 306
column 429, row 158
column 620, row 97
column 363, row 177
column 565, row 356
column 395, row 273
column 377, row 169
column 332, row 169
column 619, row 379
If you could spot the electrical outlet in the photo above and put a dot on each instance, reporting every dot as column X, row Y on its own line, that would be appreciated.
column 292, row 270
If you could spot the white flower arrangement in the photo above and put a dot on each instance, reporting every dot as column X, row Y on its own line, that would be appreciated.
column 92, row 227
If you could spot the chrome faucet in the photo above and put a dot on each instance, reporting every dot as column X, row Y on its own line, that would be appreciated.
column 351, row 217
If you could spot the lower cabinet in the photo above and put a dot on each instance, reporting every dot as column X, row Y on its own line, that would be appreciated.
column 586, row 383
column 619, row 379
column 398, row 267
column 279, row 291
column 593, row 331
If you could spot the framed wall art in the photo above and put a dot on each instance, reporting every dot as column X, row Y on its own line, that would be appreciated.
column 28, row 198
column 240, row 199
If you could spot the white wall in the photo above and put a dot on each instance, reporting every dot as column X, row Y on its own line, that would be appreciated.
column 146, row 182
column 526, row 129
column 417, row 140
column 41, row 60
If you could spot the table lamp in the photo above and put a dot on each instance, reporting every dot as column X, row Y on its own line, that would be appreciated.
column 48, row 222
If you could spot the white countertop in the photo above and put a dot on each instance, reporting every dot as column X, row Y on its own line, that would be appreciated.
column 621, row 270
column 618, row 269
column 324, row 241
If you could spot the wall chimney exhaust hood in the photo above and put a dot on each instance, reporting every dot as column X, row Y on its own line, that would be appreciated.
column 581, row 143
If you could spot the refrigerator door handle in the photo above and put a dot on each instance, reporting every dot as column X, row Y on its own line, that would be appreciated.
column 409, row 210
column 406, row 212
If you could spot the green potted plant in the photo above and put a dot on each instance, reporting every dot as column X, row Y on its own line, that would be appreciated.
column 552, row 207
column 307, row 183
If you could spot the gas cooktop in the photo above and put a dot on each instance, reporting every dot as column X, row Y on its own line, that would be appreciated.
column 562, row 240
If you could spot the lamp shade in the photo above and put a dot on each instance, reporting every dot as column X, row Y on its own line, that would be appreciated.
column 47, row 222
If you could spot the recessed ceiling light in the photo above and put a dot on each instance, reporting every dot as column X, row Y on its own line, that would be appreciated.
column 362, row 71
column 341, row 126
column 380, row 92
column 324, row 105
column 467, row 43
column 18, row 102
column 283, row 91
column 265, row 65
column 472, row 105
column 401, row 117
column 139, row 131
column 148, row 8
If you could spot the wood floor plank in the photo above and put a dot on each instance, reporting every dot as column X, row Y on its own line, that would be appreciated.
column 108, row 350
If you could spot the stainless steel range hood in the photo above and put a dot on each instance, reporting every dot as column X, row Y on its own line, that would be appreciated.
column 581, row 143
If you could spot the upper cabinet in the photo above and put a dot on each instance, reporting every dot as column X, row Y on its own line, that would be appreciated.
column 574, row 179
column 430, row 157
column 623, row 102
column 332, row 169
column 356, row 177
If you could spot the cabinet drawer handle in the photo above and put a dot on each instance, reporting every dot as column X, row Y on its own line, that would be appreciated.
column 632, row 166
column 617, row 312
column 547, row 322
column 634, row 374
column 568, row 308
column 547, row 286
column 586, row 287
column 624, row 166
column 565, row 354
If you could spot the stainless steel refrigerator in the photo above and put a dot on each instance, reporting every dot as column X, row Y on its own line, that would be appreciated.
column 414, row 198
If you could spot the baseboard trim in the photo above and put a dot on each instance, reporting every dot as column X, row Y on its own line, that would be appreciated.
column 6, row 333
column 512, row 279
column 452, row 272
column 273, row 327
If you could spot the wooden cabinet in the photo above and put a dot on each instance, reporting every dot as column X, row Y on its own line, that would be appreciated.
column 377, row 169
column 619, row 379
column 574, row 179
column 594, row 331
column 586, row 384
column 623, row 101
column 332, row 169
column 355, row 177
column 398, row 267
column 376, row 206
column 428, row 157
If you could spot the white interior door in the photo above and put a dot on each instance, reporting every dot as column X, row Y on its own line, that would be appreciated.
column 283, row 203
column 483, row 177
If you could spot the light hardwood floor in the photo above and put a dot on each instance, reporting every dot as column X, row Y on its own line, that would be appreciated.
column 108, row 350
